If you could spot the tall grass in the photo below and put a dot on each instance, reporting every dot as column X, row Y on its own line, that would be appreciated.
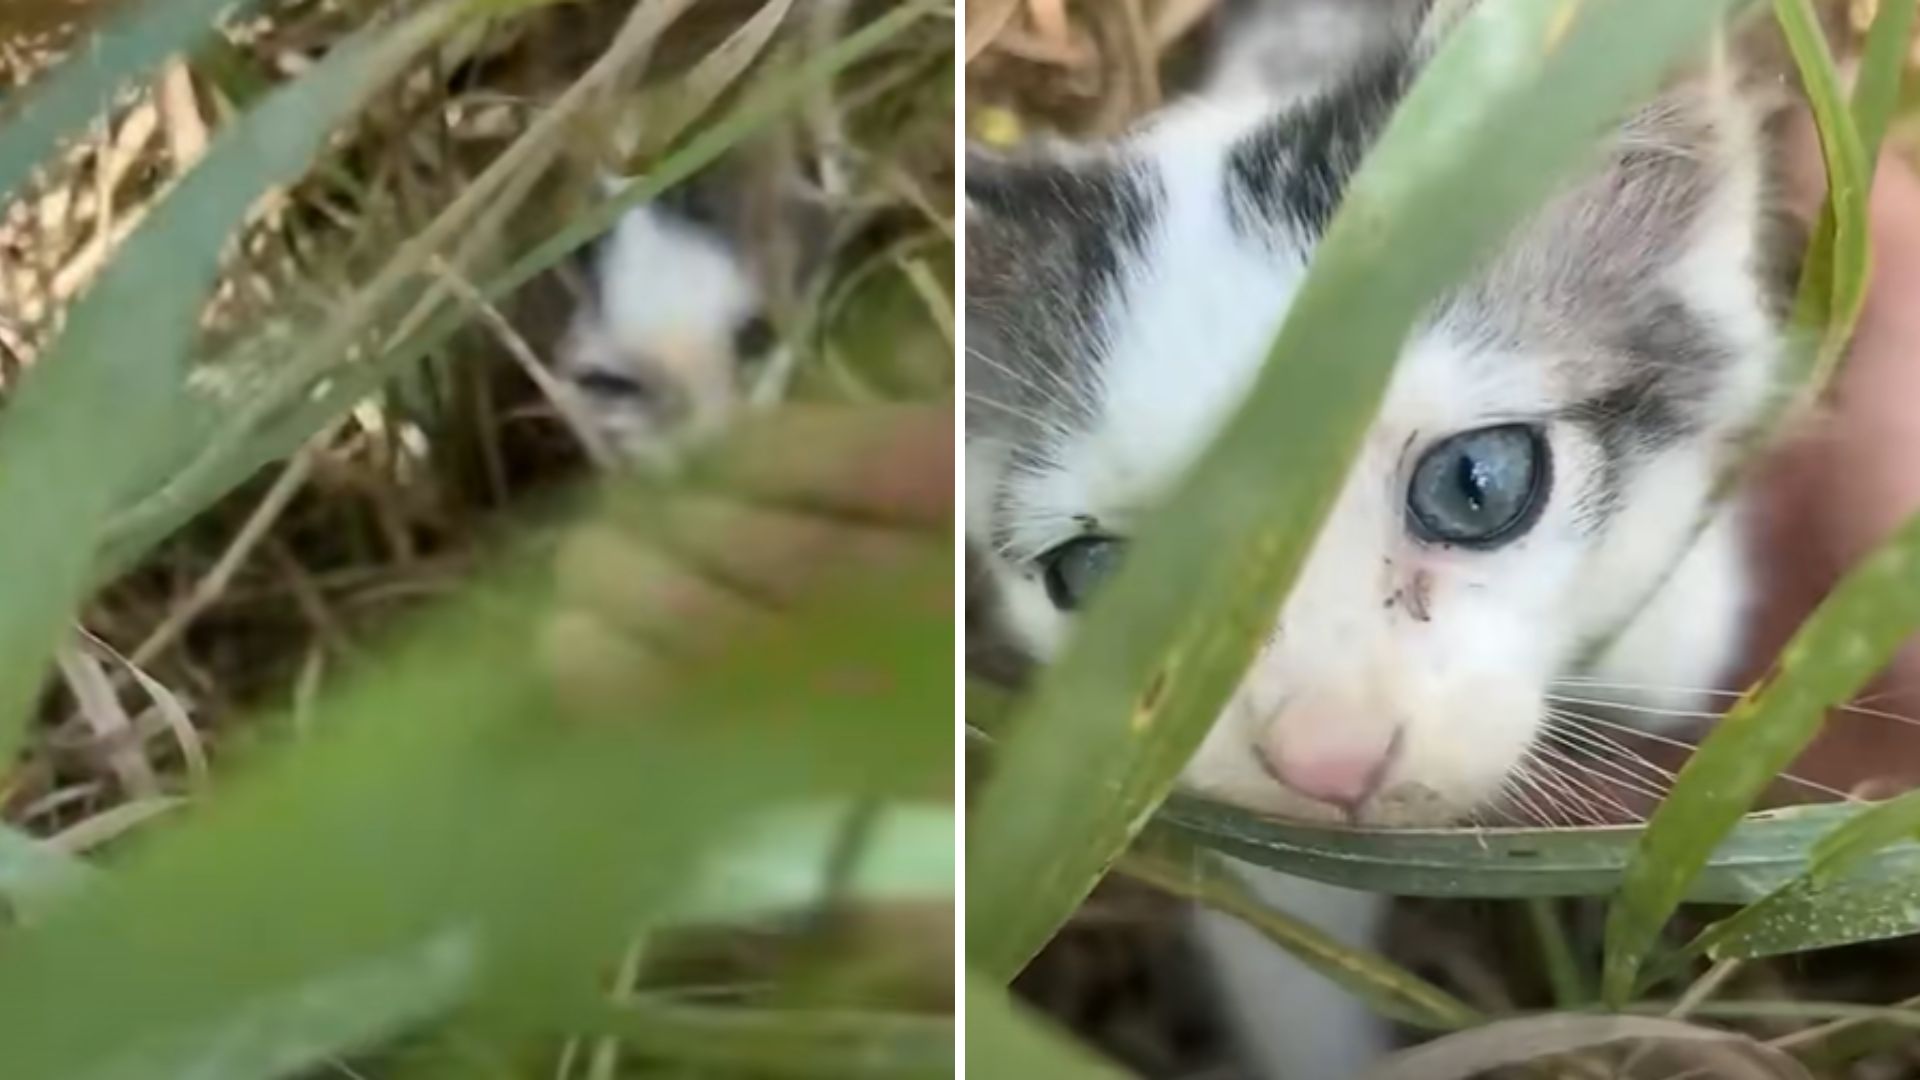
column 1086, row 764
column 434, row 863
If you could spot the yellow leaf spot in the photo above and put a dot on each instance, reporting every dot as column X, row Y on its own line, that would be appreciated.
column 1563, row 21
column 1149, row 701
column 998, row 126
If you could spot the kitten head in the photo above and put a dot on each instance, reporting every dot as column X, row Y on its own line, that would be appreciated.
column 1542, row 454
column 675, row 329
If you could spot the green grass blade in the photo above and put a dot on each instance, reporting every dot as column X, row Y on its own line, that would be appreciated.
column 1833, row 285
column 452, row 835
column 1842, row 898
column 1558, row 959
column 1764, row 852
column 1876, row 94
column 1388, row 989
column 682, row 103
column 1874, row 829
column 82, row 88
column 1004, row 1039
column 121, row 365
column 788, row 1043
column 1809, row 914
column 1530, row 84
column 1844, row 643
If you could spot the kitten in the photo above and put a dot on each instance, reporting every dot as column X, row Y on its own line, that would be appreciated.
column 674, row 337
column 1544, row 451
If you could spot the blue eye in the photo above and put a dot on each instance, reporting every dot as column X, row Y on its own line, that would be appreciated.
column 1480, row 488
column 1074, row 569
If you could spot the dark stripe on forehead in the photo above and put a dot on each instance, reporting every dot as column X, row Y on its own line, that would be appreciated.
column 1670, row 360
column 1047, row 245
column 1085, row 217
column 1290, row 174
column 1669, row 363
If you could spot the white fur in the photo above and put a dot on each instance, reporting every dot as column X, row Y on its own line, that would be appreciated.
column 668, row 297
column 1464, row 690
column 1293, row 1022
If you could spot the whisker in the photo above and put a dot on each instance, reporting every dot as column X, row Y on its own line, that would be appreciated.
column 1049, row 425
column 1610, row 771
column 1858, row 707
column 1532, row 784
column 1615, row 767
column 1890, row 692
column 1528, row 813
column 1603, row 743
column 1613, row 776
column 1574, row 775
column 1681, row 744
column 1632, row 707
column 1019, row 377
column 1605, row 747
column 1080, row 403
column 1581, row 794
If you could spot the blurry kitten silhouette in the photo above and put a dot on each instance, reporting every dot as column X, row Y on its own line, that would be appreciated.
column 678, row 330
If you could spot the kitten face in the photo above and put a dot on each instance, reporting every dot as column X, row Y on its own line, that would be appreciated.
column 1542, row 455
column 674, row 326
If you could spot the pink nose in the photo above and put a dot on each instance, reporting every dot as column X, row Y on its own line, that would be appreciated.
column 1344, row 773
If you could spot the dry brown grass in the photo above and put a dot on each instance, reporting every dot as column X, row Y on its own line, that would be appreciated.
column 1092, row 68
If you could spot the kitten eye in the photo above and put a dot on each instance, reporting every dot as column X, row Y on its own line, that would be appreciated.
column 601, row 383
column 1074, row 569
column 1480, row 488
column 754, row 338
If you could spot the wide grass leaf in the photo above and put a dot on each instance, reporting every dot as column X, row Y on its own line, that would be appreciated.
column 1881, row 826
column 1847, row 894
column 1833, row 285
column 455, row 834
column 1883, row 65
column 1808, row 913
column 1765, row 851
column 796, row 1043
column 1388, row 989
column 111, row 393
column 1529, row 84
column 1848, row 639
